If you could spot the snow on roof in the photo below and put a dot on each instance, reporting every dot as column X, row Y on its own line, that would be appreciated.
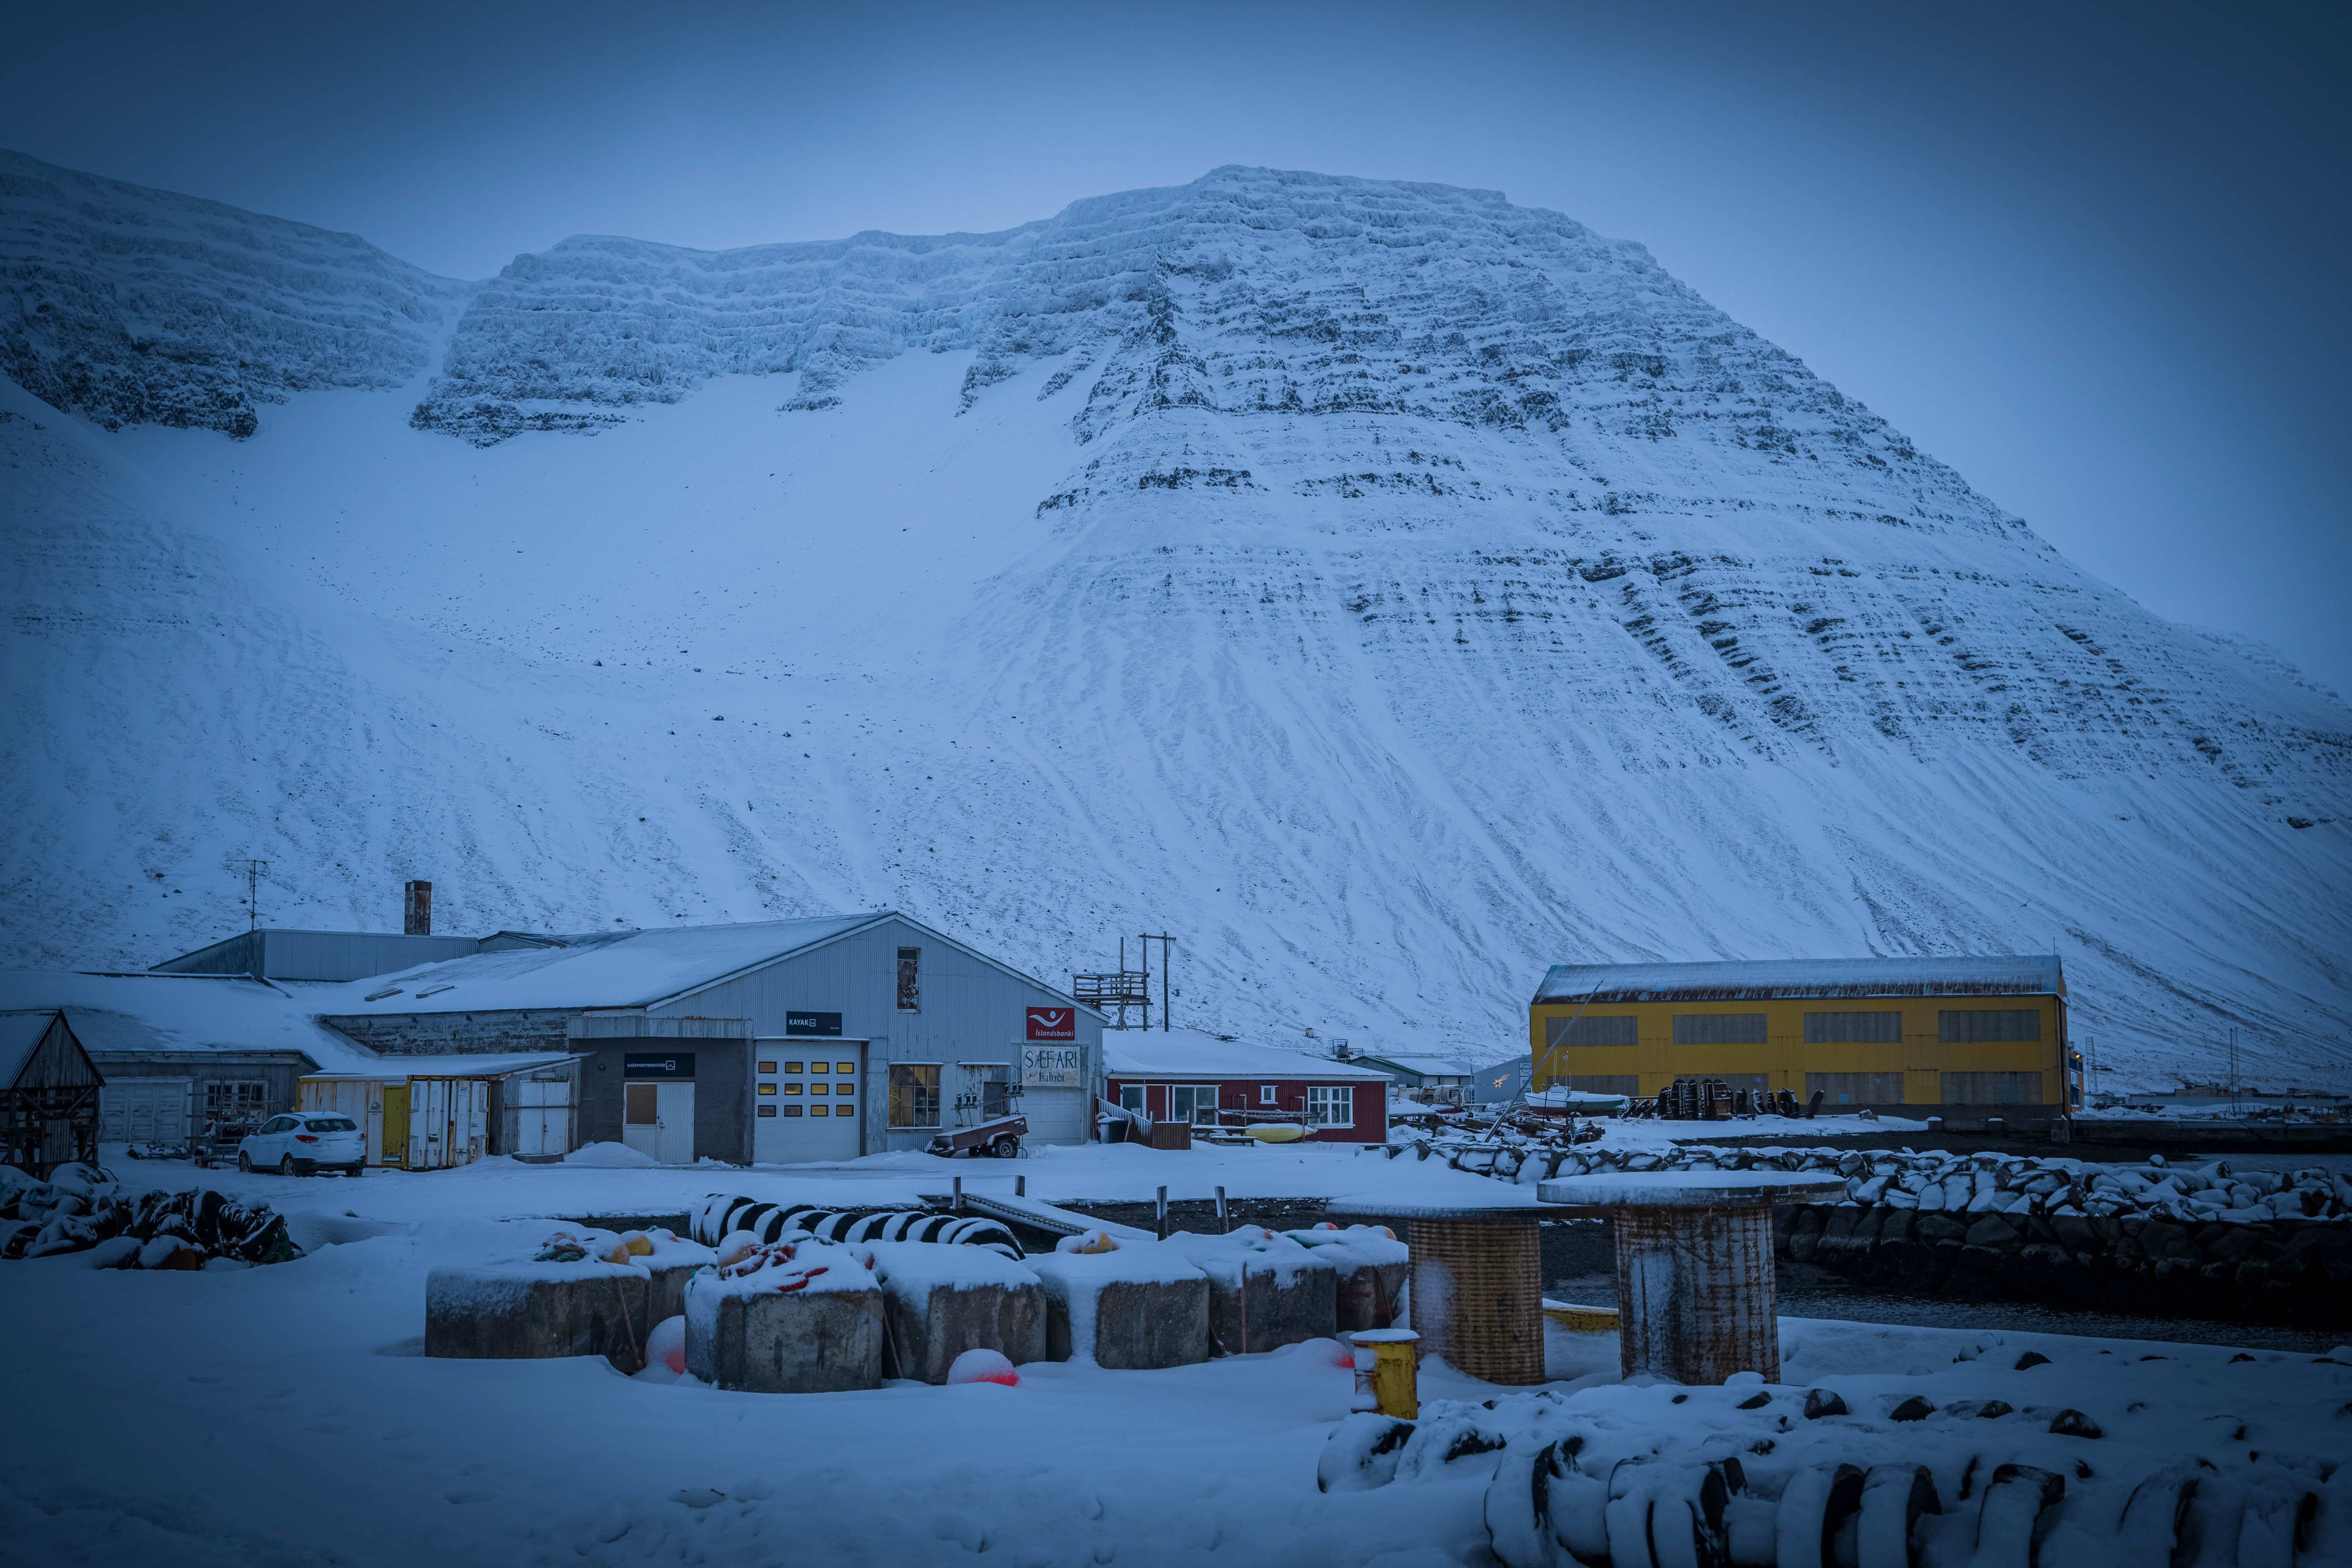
column 1428, row 1064
column 604, row 969
column 467, row 1065
column 20, row 1034
column 1192, row 1053
column 146, row 1013
column 1756, row 980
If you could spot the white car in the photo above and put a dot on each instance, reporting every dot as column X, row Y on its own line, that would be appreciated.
column 303, row 1143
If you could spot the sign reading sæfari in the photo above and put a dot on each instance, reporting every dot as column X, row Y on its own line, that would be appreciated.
column 1050, row 1067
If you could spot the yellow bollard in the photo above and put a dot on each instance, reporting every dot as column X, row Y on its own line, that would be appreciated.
column 1386, row 1378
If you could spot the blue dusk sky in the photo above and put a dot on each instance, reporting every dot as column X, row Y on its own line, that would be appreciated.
column 2093, row 256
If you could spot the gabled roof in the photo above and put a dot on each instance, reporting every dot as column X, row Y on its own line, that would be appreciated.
column 1764, row 980
column 148, row 1014
column 20, row 1035
column 1178, row 1054
column 618, row 969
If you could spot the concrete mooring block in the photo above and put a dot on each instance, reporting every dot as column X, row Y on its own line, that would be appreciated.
column 1140, row 1307
column 763, row 1342
column 1255, row 1309
column 531, row 1311
column 1369, row 1296
column 929, row 1329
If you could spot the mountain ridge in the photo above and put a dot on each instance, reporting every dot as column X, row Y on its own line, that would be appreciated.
column 1396, row 590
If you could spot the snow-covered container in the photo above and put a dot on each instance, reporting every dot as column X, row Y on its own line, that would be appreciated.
column 528, row 1309
column 1134, row 1305
column 794, row 1318
column 941, row 1299
column 1266, row 1290
column 1371, row 1265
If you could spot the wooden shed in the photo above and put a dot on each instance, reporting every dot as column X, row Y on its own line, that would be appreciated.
column 48, row 1093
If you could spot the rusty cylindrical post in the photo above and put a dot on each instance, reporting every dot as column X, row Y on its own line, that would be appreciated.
column 1694, row 1293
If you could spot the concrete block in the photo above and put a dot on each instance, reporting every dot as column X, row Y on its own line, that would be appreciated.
column 666, row 1288
column 806, row 1342
column 1263, row 1310
column 929, row 1329
column 529, row 1311
column 1368, row 1296
column 1139, row 1325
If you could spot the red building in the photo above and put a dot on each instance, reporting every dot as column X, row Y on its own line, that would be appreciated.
column 1183, row 1075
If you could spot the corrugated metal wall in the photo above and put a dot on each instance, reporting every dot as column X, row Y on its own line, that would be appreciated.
column 971, row 1012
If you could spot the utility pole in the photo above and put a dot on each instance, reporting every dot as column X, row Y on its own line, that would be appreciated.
column 2236, row 1096
column 1167, row 971
column 253, row 873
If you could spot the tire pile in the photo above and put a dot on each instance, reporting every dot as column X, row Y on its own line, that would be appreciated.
column 80, row 1208
column 721, row 1214
column 2198, row 1460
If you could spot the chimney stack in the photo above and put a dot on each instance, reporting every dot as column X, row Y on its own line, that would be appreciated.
column 417, row 909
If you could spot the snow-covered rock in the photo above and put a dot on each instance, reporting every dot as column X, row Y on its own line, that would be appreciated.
column 135, row 306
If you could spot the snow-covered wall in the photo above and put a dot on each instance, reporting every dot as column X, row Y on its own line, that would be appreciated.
column 1391, row 591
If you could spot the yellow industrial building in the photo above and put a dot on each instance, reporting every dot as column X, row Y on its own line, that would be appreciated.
column 1960, row 1038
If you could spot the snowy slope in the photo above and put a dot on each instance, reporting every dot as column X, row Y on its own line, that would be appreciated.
column 1390, row 590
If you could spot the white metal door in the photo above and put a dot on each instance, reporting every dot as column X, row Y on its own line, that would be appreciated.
column 641, row 1118
column 805, row 1097
column 428, row 1123
column 144, row 1110
column 470, row 1128
column 673, row 1123
column 543, row 1115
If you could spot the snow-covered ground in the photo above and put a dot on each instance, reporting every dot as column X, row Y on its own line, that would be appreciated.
column 285, row 1414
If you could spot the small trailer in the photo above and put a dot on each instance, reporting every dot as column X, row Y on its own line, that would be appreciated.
column 1001, row 1136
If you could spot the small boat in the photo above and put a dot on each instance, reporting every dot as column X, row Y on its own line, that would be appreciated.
column 1276, row 1132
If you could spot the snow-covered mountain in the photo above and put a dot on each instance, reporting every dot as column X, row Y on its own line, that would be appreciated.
column 1388, row 590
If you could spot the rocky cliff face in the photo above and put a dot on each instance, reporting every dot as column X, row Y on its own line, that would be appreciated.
column 135, row 306
column 1389, row 589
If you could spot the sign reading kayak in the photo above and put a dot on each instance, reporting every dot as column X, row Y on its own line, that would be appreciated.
column 1053, row 1023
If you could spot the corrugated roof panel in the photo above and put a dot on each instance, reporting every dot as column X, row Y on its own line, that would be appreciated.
column 606, row 969
column 1761, row 980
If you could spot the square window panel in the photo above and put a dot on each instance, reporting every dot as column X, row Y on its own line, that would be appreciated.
column 792, row 1067
column 820, row 1067
column 845, row 1066
column 767, row 1110
column 791, row 1110
column 791, row 1089
column 767, row 1088
column 766, row 1066
column 845, row 1089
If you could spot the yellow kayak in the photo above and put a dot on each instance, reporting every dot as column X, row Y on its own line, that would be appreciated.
column 1277, row 1134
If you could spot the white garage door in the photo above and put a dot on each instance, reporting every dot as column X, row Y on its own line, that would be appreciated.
column 1054, row 1092
column 806, row 1095
column 144, row 1110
